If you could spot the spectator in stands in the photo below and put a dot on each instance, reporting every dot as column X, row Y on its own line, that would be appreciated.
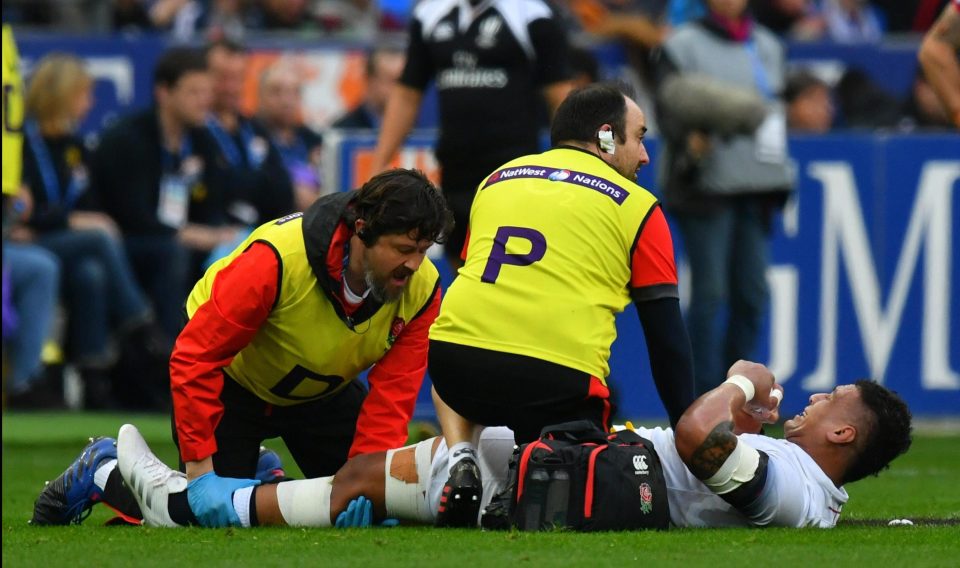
column 31, row 275
column 101, row 294
column 584, row 67
column 639, row 22
column 851, row 21
column 910, row 15
column 938, row 56
column 358, row 17
column 923, row 109
column 253, row 175
column 130, row 15
column 491, row 86
column 640, row 26
column 864, row 104
column 383, row 69
column 797, row 19
column 809, row 103
column 31, row 280
column 211, row 19
column 153, row 174
column 395, row 14
column 723, row 190
column 279, row 114
column 285, row 15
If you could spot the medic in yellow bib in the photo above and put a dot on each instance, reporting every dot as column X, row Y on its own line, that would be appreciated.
column 558, row 244
column 280, row 329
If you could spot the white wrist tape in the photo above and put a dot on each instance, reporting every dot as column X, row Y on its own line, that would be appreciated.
column 740, row 467
column 777, row 394
column 745, row 385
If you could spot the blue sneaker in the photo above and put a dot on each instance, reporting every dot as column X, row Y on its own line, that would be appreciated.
column 269, row 466
column 70, row 498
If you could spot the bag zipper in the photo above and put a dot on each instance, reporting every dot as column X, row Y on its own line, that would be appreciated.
column 588, row 498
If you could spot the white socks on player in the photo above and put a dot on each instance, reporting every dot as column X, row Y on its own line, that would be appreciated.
column 103, row 473
column 241, row 504
column 459, row 451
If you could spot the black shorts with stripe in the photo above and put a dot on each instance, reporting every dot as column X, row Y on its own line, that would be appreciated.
column 524, row 393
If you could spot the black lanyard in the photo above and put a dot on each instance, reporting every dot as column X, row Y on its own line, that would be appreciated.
column 170, row 159
column 229, row 146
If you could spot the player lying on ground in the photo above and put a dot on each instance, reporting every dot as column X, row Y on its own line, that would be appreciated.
column 717, row 473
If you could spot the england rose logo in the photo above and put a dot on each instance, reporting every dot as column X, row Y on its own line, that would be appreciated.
column 646, row 499
column 395, row 329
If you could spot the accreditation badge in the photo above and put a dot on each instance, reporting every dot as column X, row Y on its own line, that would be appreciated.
column 174, row 201
column 771, row 137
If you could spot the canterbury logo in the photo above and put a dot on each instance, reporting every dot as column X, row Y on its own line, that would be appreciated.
column 640, row 463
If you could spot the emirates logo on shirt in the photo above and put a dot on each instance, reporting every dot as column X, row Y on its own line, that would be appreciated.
column 396, row 328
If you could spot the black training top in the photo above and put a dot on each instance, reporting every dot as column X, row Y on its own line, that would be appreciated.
column 490, row 61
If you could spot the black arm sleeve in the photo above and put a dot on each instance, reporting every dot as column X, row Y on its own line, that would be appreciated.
column 671, row 358
column 418, row 70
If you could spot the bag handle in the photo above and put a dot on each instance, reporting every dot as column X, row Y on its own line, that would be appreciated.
column 629, row 437
column 575, row 431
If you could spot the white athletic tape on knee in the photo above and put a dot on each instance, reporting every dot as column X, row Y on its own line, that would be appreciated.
column 740, row 467
column 306, row 502
column 409, row 500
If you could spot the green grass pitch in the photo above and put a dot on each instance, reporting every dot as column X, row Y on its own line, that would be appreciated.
column 36, row 447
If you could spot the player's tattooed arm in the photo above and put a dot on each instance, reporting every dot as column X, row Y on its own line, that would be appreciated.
column 711, row 454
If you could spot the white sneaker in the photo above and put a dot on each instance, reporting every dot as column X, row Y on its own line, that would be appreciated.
column 150, row 480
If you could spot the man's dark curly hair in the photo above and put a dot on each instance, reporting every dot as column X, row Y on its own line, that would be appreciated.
column 888, row 431
column 401, row 201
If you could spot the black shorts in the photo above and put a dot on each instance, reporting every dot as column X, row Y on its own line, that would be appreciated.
column 318, row 434
column 459, row 187
column 524, row 393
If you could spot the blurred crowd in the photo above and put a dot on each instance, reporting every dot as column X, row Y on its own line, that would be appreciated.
column 116, row 232
column 643, row 22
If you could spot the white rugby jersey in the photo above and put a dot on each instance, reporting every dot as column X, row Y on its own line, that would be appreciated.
column 797, row 493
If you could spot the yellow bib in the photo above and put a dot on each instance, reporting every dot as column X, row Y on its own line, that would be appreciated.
column 548, row 263
column 12, row 115
column 304, row 351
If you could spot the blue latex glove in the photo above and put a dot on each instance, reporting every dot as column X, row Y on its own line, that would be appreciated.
column 359, row 514
column 211, row 499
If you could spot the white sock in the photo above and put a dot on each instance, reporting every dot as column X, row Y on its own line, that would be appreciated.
column 459, row 451
column 241, row 504
column 103, row 473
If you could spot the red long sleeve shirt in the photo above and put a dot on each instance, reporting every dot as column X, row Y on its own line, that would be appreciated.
column 242, row 297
